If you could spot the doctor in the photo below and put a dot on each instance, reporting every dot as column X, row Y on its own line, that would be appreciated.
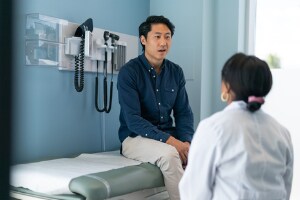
column 240, row 152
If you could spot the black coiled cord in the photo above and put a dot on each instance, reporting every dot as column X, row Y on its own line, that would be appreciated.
column 79, row 62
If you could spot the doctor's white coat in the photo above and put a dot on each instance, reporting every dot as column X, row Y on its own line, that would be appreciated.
column 236, row 154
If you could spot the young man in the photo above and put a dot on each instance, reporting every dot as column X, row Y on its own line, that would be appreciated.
column 150, row 87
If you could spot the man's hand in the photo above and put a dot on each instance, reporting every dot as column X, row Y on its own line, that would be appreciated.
column 181, row 147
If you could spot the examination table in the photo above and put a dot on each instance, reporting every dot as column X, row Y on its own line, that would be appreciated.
column 106, row 175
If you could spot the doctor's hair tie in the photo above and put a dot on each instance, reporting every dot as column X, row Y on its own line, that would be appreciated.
column 254, row 99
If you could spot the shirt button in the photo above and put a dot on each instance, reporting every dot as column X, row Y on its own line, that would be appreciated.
column 157, row 90
column 149, row 70
column 161, row 117
column 152, row 68
column 154, row 76
column 172, row 90
column 158, row 103
column 146, row 134
column 160, row 140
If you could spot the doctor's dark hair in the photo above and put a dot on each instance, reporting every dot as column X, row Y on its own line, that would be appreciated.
column 247, row 76
column 145, row 27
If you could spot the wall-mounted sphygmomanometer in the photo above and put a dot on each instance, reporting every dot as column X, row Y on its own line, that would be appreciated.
column 106, row 108
column 84, row 32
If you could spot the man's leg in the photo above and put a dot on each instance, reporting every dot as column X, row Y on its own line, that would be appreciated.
column 158, row 153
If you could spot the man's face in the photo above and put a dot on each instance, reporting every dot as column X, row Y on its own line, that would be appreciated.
column 158, row 42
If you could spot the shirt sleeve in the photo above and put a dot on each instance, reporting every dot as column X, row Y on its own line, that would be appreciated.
column 184, row 119
column 198, row 179
column 131, row 108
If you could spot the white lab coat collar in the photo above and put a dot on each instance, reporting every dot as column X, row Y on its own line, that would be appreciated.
column 235, row 105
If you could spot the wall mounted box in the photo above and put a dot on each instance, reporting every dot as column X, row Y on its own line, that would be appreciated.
column 50, row 41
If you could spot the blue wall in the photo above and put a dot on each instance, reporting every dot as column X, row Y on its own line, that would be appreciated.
column 50, row 119
column 228, row 20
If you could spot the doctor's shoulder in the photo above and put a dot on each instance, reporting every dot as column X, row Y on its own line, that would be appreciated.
column 218, row 124
column 274, row 123
column 218, row 117
column 211, row 123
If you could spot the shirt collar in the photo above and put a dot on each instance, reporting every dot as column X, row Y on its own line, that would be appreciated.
column 147, row 64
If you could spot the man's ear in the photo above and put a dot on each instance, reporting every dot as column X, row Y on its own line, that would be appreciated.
column 143, row 40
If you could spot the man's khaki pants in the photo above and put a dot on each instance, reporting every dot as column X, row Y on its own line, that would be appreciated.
column 160, row 154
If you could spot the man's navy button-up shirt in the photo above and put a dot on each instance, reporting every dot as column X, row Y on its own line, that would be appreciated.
column 147, row 100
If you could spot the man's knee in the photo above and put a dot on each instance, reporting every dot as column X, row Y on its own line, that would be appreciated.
column 169, row 157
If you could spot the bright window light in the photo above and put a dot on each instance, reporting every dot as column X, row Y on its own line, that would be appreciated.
column 278, row 32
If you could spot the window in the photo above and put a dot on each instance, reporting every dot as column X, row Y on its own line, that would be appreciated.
column 278, row 32
column 277, row 40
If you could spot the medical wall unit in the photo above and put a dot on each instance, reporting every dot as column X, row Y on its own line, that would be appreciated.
column 80, row 48
column 51, row 41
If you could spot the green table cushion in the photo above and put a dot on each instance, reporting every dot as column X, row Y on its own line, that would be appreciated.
column 117, row 182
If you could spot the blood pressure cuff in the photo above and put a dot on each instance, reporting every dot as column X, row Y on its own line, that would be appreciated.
column 117, row 182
